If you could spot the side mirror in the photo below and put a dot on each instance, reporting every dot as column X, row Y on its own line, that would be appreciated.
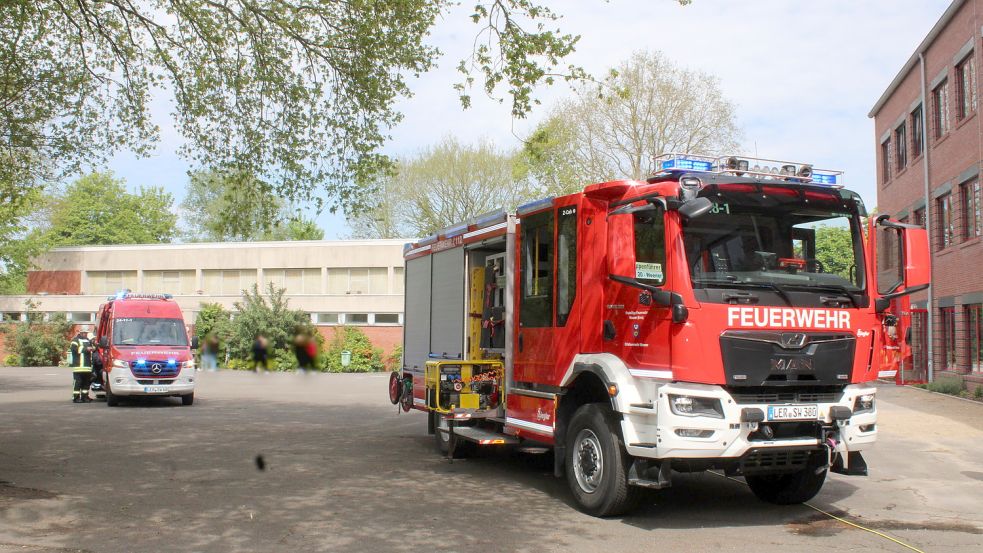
column 194, row 342
column 104, row 341
column 694, row 208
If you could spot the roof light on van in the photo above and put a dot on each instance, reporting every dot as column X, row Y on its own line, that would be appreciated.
column 686, row 164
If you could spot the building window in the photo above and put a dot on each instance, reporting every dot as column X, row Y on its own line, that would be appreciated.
column 294, row 281
column 398, row 280
column 974, row 331
column 948, row 315
column 945, row 221
column 327, row 318
column 917, row 140
column 11, row 317
column 371, row 280
column 965, row 87
column 386, row 318
column 356, row 318
column 972, row 226
column 918, row 217
column 886, row 160
column 229, row 282
column 110, row 282
column 940, row 109
column 81, row 317
column 901, row 147
column 169, row 282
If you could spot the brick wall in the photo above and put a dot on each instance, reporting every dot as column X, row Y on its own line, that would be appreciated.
column 384, row 337
column 54, row 282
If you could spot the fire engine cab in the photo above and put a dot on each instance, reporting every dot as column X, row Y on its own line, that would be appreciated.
column 695, row 320
column 145, row 348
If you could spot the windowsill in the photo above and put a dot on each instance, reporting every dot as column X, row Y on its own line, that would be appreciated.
column 900, row 172
column 916, row 159
column 965, row 120
column 949, row 249
column 941, row 139
column 969, row 242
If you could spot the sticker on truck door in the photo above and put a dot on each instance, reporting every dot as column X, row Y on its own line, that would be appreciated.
column 648, row 271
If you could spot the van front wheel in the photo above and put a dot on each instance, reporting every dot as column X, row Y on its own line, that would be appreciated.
column 188, row 399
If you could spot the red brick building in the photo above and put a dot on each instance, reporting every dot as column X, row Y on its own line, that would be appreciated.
column 928, row 141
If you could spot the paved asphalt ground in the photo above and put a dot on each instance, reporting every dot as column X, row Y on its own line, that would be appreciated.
column 344, row 472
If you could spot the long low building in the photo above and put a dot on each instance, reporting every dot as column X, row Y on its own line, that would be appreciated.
column 340, row 282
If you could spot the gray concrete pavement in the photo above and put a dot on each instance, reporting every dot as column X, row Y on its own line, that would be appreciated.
column 344, row 472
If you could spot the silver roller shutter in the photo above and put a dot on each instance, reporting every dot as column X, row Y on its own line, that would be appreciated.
column 416, row 317
column 447, row 304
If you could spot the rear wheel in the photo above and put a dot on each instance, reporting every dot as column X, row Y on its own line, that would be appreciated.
column 442, row 439
column 188, row 399
column 597, row 463
column 788, row 489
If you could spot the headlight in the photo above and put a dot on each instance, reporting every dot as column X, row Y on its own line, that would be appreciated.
column 692, row 406
column 188, row 365
column 120, row 364
column 863, row 404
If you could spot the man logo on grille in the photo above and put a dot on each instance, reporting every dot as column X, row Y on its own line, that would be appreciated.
column 156, row 368
column 793, row 340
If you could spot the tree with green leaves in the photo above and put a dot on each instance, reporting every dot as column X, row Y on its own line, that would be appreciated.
column 97, row 209
column 222, row 206
column 268, row 314
column 610, row 130
column 300, row 94
column 834, row 249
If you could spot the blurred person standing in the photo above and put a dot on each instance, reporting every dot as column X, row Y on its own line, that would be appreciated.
column 305, row 350
column 209, row 352
column 260, row 353
column 80, row 351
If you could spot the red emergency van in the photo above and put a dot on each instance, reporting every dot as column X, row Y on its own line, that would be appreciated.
column 145, row 348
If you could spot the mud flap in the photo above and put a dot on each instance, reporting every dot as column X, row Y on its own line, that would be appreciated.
column 649, row 474
column 855, row 465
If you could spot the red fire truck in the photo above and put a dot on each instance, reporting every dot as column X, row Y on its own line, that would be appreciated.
column 700, row 319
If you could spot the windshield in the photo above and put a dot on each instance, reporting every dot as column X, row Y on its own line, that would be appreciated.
column 149, row 332
column 790, row 241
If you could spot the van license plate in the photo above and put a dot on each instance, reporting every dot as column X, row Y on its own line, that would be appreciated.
column 154, row 389
column 792, row 412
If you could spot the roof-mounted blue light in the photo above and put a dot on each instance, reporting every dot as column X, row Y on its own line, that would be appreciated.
column 824, row 178
column 686, row 164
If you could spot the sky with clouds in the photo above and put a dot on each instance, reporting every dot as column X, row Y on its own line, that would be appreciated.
column 804, row 75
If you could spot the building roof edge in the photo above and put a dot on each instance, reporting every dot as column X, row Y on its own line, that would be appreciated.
column 922, row 46
column 236, row 245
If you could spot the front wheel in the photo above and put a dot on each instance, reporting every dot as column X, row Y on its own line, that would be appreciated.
column 597, row 463
column 188, row 399
column 788, row 489
column 112, row 400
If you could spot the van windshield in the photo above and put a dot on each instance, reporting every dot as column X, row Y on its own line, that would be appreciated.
column 149, row 332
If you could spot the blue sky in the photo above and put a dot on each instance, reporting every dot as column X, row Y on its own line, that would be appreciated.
column 804, row 75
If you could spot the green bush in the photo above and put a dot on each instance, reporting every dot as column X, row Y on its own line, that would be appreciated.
column 394, row 361
column 365, row 357
column 37, row 343
column 951, row 386
column 13, row 361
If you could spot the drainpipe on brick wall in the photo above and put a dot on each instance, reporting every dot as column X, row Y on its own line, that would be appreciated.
column 928, row 225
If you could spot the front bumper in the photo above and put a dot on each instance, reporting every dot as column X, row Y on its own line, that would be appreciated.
column 123, row 383
column 650, row 430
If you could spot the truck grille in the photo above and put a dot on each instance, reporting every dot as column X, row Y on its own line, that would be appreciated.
column 756, row 358
column 155, row 369
column 146, row 382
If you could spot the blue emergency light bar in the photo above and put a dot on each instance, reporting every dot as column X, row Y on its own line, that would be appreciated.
column 821, row 178
column 684, row 164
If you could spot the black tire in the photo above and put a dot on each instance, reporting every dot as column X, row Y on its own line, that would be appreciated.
column 188, row 399
column 788, row 489
column 112, row 400
column 597, row 463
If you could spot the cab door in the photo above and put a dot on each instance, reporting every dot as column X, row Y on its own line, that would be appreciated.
column 534, row 347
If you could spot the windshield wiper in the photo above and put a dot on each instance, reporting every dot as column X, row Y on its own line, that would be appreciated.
column 728, row 283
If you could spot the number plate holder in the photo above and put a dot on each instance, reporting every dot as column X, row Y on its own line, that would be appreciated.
column 793, row 412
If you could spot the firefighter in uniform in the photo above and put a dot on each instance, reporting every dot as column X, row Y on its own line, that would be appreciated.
column 81, row 361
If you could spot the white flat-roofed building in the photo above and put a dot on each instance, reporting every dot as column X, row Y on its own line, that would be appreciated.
column 354, row 282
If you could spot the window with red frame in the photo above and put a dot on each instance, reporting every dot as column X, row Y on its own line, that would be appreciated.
column 945, row 226
column 917, row 138
column 965, row 87
column 940, row 109
column 886, row 160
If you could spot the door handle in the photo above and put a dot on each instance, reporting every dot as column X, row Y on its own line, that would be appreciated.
column 520, row 341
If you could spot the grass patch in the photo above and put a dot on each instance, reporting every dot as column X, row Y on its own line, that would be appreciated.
column 951, row 386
